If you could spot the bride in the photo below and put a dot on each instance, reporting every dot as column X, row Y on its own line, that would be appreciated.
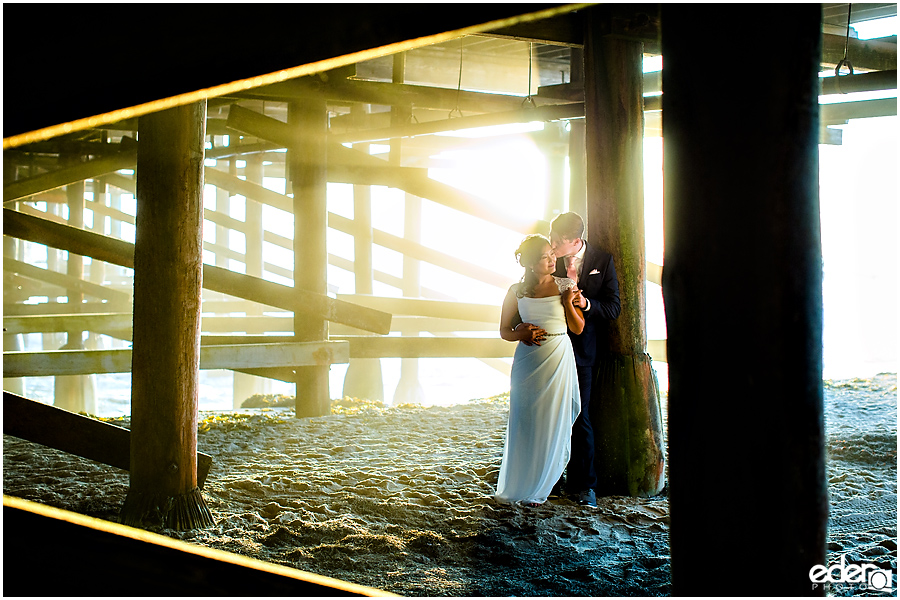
column 544, row 400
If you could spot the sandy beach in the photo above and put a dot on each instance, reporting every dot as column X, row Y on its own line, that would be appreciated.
column 400, row 499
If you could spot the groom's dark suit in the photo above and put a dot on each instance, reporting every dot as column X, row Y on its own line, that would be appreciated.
column 598, row 283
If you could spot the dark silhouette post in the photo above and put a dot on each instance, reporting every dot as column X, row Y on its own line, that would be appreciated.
column 165, row 370
column 742, row 285
column 625, row 411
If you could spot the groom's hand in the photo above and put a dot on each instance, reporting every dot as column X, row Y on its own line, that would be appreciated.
column 579, row 300
column 532, row 335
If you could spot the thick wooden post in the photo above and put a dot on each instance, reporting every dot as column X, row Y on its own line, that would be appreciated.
column 364, row 378
column 625, row 410
column 743, row 261
column 309, row 178
column 165, row 368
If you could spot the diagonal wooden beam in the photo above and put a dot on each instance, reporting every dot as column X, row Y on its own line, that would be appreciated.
column 75, row 434
column 424, row 253
column 414, row 182
column 86, row 243
column 22, row 188
column 446, row 195
column 65, row 281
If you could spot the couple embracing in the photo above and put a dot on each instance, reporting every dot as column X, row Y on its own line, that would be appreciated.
column 569, row 289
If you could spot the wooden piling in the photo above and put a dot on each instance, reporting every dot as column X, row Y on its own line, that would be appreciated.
column 75, row 393
column 168, row 271
column 408, row 390
column 364, row 377
column 247, row 385
column 743, row 259
column 308, row 177
column 625, row 410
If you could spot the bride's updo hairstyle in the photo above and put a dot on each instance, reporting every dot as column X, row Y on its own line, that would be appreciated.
column 528, row 253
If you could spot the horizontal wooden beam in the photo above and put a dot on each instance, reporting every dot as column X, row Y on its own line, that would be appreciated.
column 394, row 94
column 429, row 308
column 841, row 112
column 562, row 30
column 657, row 350
column 85, row 362
column 23, row 188
column 121, row 253
column 862, row 82
column 56, row 308
column 75, row 434
column 553, row 112
column 875, row 55
column 428, row 347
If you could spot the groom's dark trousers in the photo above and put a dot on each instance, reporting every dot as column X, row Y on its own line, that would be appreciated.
column 598, row 283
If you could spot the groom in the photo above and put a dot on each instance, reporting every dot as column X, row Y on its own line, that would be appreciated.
column 594, row 272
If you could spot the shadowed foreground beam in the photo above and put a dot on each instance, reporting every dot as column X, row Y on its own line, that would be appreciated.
column 151, row 564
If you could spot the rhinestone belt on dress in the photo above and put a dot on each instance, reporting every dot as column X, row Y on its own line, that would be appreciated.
column 552, row 334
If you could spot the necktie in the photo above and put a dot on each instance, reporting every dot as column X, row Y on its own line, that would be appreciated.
column 570, row 269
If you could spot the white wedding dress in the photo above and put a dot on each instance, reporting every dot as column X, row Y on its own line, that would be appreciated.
column 544, row 402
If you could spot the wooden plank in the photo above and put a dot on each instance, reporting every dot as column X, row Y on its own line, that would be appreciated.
column 22, row 188
column 543, row 113
column 65, row 281
column 85, row 362
column 840, row 112
column 247, row 189
column 297, row 301
column 154, row 564
column 428, row 347
column 413, row 182
column 54, row 308
column 418, row 251
column 406, row 324
column 96, row 322
column 77, row 241
column 102, row 210
column 657, row 350
column 431, row 308
column 442, row 193
column 863, row 82
column 75, row 434
column 217, row 279
column 875, row 55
